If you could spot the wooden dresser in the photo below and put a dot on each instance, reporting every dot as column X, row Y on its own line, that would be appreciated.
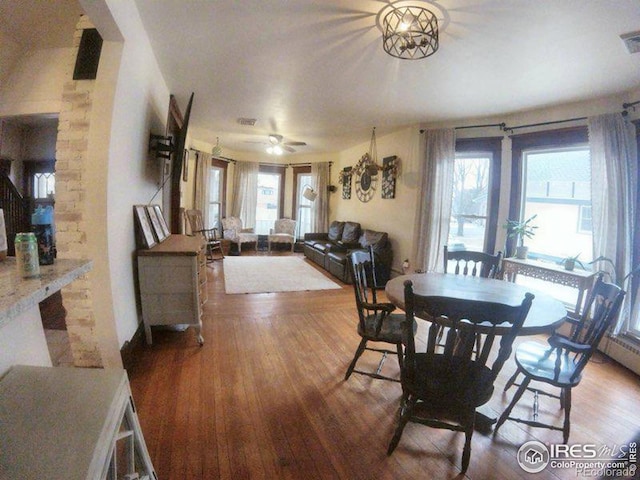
column 173, row 283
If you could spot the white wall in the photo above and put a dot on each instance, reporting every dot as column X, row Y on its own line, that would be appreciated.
column 397, row 216
column 35, row 83
column 139, row 99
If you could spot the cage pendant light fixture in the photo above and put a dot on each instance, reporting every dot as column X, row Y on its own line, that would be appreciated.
column 410, row 33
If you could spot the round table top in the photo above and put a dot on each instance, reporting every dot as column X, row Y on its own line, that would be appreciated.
column 545, row 315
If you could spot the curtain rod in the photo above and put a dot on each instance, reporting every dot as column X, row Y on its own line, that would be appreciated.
column 305, row 164
column 553, row 122
column 224, row 159
column 505, row 128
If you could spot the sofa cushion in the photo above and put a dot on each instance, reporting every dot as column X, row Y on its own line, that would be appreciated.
column 323, row 247
column 350, row 233
column 378, row 240
column 338, row 257
column 335, row 230
column 311, row 243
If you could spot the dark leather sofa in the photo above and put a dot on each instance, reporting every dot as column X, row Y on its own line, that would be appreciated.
column 330, row 249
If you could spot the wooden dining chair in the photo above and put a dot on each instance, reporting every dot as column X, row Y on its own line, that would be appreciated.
column 468, row 262
column 196, row 224
column 560, row 362
column 376, row 322
column 443, row 386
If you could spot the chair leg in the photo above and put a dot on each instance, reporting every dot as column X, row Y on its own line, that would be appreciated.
column 567, row 412
column 466, row 453
column 359, row 351
column 402, row 422
column 516, row 397
column 399, row 349
column 511, row 381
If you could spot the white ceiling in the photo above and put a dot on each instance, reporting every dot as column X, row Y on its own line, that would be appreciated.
column 315, row 71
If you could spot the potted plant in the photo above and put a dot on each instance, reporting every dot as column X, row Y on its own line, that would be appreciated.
column 611, row 271
column 569, row 263
column 521, row 230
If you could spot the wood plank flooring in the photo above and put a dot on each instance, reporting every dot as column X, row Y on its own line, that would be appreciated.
column 264, row 398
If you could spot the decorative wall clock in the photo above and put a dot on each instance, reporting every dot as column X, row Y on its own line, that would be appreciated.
column 365, row 185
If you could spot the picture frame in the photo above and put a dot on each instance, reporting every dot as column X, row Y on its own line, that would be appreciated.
column 389, row 177
column 155, row 223
column 185, row 166
column 161, row 219
column 346, row 176
column 144, row 231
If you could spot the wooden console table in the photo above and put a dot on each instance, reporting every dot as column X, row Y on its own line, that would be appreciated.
column 579, row 279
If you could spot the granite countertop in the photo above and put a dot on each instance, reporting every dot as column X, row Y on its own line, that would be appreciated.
column 19, row 294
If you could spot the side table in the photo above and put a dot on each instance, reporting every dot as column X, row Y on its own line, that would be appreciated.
column 581, row 280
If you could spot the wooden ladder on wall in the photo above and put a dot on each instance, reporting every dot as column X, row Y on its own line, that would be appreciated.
column 16, row 211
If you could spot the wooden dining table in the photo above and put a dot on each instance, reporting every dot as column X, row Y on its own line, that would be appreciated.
column 545, row 315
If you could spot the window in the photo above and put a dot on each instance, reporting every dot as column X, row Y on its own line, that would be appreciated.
column 44, row 185
column 304, row 205
column 474, row 208
column 217, row 193
column 470, row 202
column 556, row 187
column 215, row 196
column 551, row 178
column 270, row 193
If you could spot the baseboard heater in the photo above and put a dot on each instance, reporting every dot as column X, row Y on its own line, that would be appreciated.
column 623, row 350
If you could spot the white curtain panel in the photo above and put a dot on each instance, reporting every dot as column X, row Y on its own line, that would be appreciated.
column 320, row 207
column 614, row 187
column 201, row 196
column 435, row 198
column 245, row 193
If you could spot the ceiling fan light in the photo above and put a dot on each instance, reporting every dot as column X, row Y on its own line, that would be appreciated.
column 277, row 150
column 274, row 139
column 270, row 150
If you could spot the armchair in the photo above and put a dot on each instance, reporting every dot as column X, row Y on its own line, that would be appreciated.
column 232, row 230
column 283, row 231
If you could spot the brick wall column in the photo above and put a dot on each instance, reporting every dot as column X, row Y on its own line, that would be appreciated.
column 71, row 206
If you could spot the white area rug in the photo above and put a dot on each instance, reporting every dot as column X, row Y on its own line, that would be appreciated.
column 272, row 274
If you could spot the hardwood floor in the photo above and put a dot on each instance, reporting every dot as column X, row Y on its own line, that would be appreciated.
column 265, row 398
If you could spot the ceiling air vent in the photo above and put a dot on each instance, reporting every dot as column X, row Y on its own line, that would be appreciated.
column 248, row 122
column 631, row 41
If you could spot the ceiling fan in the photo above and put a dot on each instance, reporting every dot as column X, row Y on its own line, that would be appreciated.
column 277, row 146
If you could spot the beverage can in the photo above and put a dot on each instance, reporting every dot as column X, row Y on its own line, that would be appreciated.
column 27, row 255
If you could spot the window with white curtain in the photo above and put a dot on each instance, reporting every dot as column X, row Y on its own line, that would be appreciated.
column 268, row 206
column 216, row 177
column 304, row 205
